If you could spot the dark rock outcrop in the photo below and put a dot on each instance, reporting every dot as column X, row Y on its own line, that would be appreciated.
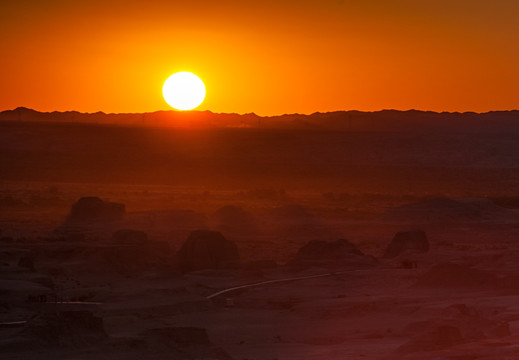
column 91, row 214
column 93, row 208
column 205, row 249
column 411, row 240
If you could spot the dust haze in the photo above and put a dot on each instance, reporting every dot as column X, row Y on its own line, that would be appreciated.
column 387, row 235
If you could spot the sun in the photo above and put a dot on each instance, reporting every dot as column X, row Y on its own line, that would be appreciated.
column 184, row 91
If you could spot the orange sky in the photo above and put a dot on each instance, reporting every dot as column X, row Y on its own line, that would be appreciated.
column 268, row 57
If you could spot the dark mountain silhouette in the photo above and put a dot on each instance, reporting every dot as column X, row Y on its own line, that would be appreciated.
column 384, row 120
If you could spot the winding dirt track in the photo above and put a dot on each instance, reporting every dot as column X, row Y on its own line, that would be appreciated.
column 268, row 282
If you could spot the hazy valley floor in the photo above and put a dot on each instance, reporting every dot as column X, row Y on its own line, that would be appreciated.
column 81, row 294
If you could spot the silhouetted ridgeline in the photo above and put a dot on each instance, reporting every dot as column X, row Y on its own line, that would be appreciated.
column 385, row 120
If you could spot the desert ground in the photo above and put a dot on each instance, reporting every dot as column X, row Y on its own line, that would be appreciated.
column 132, row 243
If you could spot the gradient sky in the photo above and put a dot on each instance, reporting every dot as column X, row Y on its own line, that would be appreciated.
column 267, row 57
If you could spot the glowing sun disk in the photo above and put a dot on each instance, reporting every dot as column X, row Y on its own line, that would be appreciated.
column 183, row 91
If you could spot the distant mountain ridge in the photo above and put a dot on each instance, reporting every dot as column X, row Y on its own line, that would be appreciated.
column 384, row 120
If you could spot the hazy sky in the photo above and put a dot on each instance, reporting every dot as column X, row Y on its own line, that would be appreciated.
column 267, row 57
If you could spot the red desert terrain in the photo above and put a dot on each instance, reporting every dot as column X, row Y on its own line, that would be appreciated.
column 300, row 237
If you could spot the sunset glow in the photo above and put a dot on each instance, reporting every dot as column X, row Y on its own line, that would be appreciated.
column 266, row 57
column 259, row 179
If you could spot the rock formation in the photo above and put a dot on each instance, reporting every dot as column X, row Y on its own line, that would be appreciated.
column 411, row 240
column 89, row 213
column 93, row 208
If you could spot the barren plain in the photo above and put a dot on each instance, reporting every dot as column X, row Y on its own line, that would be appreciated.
column 71, row 288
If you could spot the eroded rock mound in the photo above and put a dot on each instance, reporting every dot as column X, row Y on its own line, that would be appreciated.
column 205, row 249
column 411, row 240
column 91, row 213
column 93, row 208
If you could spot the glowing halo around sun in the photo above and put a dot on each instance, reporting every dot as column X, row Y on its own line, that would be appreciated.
column 184, row 91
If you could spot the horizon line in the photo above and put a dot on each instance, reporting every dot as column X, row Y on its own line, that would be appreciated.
column 186, row 112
